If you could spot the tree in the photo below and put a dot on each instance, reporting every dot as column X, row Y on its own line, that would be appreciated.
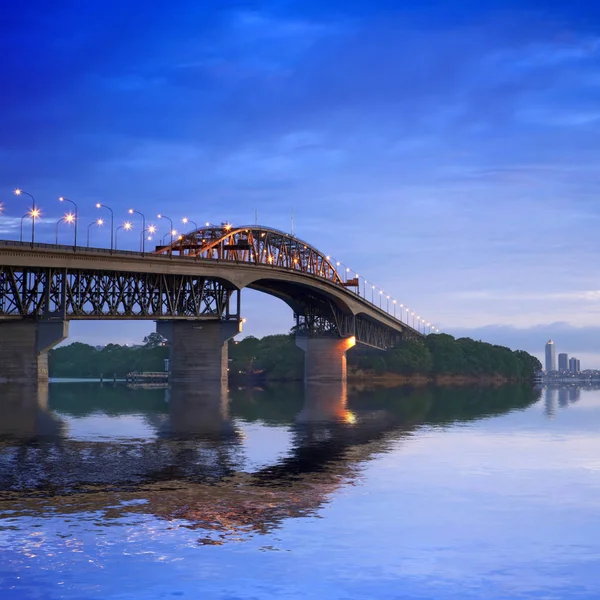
column 154, row 340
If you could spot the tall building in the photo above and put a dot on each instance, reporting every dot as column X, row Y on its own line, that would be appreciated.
column 563, row 361
column 550, row 356
column 574, row 365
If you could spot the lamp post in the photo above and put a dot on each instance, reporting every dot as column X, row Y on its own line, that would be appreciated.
column 126, row 226
column 75, row 218
column 68, row 218
column 160, row 216
column 23, row 217
column 112, row 222
column 150, row 229
column 57, row 224
column 142, row 241
column 185, row 221
column 35, row 213
column 98, row 222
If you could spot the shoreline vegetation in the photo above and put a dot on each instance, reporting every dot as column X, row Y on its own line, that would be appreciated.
column 437, row 359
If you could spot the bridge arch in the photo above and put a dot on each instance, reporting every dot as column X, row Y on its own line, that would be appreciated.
column 254, row 245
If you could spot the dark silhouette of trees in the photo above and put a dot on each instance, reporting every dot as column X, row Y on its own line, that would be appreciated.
column 277, row 357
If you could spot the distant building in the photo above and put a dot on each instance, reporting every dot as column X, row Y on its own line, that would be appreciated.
column 563, row 361
column 550, row 356
column 574, row 365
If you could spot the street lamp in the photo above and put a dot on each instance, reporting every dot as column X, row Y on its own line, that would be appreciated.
column 35, row 213
column 98, row 222
column 68, row 218
column 126, row 226
column 185, row 221
column 23, row 217
column 150, row 229
column 142, row 243
column 170, row 223
column 75, row 219
column 112, row 222
column 171, row 233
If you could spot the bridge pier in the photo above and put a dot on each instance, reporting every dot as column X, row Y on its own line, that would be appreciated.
column 324, row 357
column 24, row 349
column 198, row 349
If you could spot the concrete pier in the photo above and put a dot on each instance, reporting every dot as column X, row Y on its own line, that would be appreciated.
column 24, row 349
column 324, row 357
column 198, row 349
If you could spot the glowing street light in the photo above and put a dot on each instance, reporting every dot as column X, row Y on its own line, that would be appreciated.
column 127, row 226
column 112, row 222
column 170, row 223
column 68, row 218
column 137, row 212
column 98, row 222
column 74, row 219
column 34, row 213
column 151, row 229
column 185, row 221
column 171, row 233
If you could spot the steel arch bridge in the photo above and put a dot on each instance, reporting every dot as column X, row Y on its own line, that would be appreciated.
column 199, row 276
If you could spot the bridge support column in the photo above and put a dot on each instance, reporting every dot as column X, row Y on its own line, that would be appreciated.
column 24, row 349
column 198, row 349
column 324, row 357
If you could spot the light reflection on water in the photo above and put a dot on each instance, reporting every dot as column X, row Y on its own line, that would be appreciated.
column 109, row 492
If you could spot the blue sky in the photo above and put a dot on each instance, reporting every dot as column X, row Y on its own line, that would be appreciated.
column 447, row 151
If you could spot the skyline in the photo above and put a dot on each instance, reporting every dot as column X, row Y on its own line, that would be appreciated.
column 447, row 154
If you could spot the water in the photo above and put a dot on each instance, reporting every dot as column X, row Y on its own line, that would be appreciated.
column 110, row 493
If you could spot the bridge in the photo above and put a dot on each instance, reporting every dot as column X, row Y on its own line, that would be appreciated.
column 192, row 289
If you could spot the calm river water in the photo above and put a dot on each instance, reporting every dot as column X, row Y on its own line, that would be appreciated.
column 112, row 493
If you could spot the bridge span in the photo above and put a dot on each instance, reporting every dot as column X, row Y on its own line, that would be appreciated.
column 192, row 289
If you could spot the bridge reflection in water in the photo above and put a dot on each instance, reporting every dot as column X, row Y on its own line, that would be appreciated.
column 186, row 456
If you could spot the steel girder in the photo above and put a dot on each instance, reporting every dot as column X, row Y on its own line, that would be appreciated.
column 95, row 294
column 254, row 245
column 324, row 319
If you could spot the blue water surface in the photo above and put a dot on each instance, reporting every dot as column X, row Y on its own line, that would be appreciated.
column 110, row 493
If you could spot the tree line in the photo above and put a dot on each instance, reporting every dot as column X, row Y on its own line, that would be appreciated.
column 435, row 355
column 277, row 357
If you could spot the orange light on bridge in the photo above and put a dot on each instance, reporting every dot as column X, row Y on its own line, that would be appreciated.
column 227, row 226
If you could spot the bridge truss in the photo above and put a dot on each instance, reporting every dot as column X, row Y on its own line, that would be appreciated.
column 255, row 245
column 95, row 294
column 325, row 319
